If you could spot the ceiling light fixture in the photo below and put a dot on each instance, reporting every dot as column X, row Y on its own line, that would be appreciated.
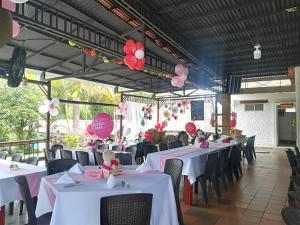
column 257, row 52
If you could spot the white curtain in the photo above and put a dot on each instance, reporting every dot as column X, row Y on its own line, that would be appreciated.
column 134, row 119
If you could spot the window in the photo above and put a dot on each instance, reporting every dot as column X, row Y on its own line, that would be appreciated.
column 254, row 107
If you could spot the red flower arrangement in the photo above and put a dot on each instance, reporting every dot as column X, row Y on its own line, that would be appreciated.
column 134, row 55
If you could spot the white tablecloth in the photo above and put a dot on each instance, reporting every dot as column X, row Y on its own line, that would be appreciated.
column 193, row 163
column 80, row 205
column 9, row 190
column 91, row 155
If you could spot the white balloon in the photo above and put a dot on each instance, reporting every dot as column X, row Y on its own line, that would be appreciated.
column 43, row 109
column 19, row 1
column 55, row 102
column 139, row 54
column 54, row 112
column 47, row 102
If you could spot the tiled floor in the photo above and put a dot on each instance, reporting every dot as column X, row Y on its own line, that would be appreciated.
column 255, row 200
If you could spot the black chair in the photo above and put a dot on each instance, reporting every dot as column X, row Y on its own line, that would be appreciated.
column 223, row 165
column 60, row 165
column 98, row 158
column 17, row 157
column 129, row 209
column 291, row 216
column 124, row 158
column 109, row 140
column 247, row 151
column 52, row 151
column 131, row 149
column 211, row 175
column 175, row 144
column 235, row 161
column 34, row 160
column 173, row 167
column 103, row 147
column 3, row 154
column 163, row 146
column 149, row 149
column 83, row 158
column 297, row 150
column 294, row 195
column 66, row 154
column 116, row 148
column 25, row 192
column 139, row 155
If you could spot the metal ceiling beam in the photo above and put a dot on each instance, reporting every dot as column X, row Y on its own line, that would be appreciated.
column 262, row 28
column 222, row 24
column 55, row 65
column 222, row 10
column 42, row 49
column 259, row 74
column 180, row 5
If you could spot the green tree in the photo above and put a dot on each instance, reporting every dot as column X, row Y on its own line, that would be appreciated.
column 19, row 110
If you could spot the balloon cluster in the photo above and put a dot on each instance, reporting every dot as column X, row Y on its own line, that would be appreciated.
column 148, row 135
column 146, row 114
column 122, row 109
column 50, row 106
column 233, row 119
column 134, row 55
column 181, row 76
column 89, row 130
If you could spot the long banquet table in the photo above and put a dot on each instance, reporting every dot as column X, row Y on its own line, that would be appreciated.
column 9, row 190
column 80, row 204
column 194, row 159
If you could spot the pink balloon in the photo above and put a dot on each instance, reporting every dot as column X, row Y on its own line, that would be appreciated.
column 185, row 72
column 89, row 129
column 178, row 81
column 179, row 69
column 16, row 28
column 103, row 125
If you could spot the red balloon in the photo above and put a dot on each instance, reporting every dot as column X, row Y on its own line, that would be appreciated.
column 129, row 47
column 148, row 135
column 139, row 45
column 140, row 64
column 89, row 129
column 130, row 61
column 191, row 128
column 233, row 123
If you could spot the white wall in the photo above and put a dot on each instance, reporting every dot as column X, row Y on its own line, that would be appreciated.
column 263, row 124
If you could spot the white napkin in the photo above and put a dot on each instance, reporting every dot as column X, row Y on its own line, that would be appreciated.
column 111, row 181
column 77, row 169
column 65, row 179
column 144, row 167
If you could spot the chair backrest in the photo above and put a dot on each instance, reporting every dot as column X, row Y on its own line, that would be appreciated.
column 82, row 157
column 173, row 167
column 66, row 154
column 223, row 159
column 57, row 147
column 163, row 146
column 103, row 146
column 129, row 209
column 34, row 160
column 175, row 144
column 98, row 158
column 116, row 148
column 211, row 165
column 17, row 157
column 149, row 149
column 98, row 142
column 3, row 154
column 292, row 159
column 297, row 150
column 131, row 149
column 60, row 165
column 109, row 140
column 25, row 192
column 124, row 158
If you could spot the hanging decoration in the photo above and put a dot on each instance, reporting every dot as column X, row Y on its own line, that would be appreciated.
column 232, row 123
column 182, row 73
column 17, row 67
column 122, row 109
column 134, row 55
column 190, row 128
column 233, row 119
column 174, row 109
column 147, row 112
column 102, row 125
column 50, row 106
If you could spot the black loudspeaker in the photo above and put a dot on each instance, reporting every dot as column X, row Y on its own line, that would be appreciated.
column 5, row 27
column 233, row 85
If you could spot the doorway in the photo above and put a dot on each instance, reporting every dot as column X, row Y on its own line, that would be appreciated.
column 286, row 127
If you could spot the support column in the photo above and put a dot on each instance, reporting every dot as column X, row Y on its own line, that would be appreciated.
column 121, row 120
column 297, row 88
column 48, row 118
column 225, row 101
